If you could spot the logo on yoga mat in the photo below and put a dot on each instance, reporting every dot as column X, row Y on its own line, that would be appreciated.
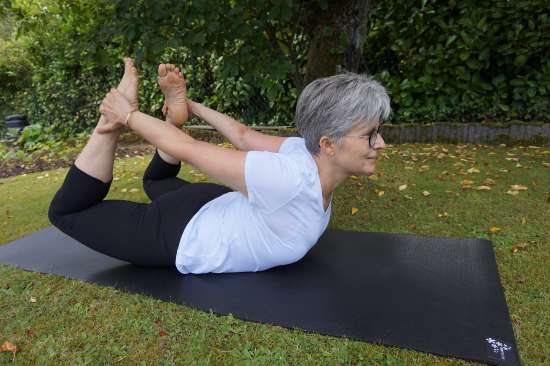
column 496, row 349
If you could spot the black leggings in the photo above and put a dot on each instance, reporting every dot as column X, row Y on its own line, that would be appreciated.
column 146, row 234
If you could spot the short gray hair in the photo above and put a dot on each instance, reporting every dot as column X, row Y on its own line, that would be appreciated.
column 334, row 105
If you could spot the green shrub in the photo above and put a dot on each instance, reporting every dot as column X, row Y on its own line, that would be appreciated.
column 462, row 60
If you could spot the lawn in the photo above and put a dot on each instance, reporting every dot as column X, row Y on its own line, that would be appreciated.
column 495, row 192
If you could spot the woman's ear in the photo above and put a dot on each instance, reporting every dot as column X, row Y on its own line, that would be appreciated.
column 327, row 146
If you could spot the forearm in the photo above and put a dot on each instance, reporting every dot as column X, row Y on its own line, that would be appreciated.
column 227, row 126
column 164, row 136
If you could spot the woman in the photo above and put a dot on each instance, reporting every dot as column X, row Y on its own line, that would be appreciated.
column 276, row 201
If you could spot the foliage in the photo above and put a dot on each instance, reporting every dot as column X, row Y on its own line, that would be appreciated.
column 15, row 69
column 462, row 60
column 457, row 61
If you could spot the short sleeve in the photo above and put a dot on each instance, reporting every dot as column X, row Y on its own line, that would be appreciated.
column 272, row 179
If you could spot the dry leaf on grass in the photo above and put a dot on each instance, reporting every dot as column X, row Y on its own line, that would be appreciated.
column 354, row 210
column 473, row 170
column 425, row 193
column 402, row 187
column 466, row 183
column 518, row 187
column 482, row 188
column 494, row 230
column 10, row 347
column 519, row 246
column 512, row 193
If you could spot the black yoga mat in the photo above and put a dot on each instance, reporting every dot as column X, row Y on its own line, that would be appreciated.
column 436, row 295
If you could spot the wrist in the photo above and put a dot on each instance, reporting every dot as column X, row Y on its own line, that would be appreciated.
column 129, row 116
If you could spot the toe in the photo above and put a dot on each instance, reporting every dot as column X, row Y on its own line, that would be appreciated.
column 162, row 70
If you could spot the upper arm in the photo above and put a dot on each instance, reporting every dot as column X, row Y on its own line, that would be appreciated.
column 224, row 165
column 257, row 141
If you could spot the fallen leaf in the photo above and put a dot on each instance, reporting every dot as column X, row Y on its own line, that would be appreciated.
column 354, row 177
column 512, row 193
column 133, row 190
column 489, row 182
column 519, row 246
column 162, row 333
column 354, row 210
column 9, row 347
column 29, row 332
column 402, row 187
column 546, row 164
column 412, row 226
column 372, row 177
column 33, row 299
column 408, row 168
column 523, row 220
column 426, row 193
column 503, row 170
column 380, row 193
column 443, row 215
column 482, row 188
column 494, row 230
column 518, row 187
column 124, row 190
column 408, row 197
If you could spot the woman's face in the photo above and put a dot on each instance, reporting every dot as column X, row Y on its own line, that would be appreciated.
column 355, row 155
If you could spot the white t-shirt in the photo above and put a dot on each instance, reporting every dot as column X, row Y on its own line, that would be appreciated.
column 279, row 222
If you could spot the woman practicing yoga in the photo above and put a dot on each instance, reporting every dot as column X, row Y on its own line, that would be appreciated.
column 276, row 201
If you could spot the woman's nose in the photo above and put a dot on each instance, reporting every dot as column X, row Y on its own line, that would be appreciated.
column 380, row 143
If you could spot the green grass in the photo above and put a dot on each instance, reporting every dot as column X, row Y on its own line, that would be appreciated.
column 79, row 323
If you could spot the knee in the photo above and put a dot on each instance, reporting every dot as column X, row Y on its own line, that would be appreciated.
column 53, row 213
column 147, row 184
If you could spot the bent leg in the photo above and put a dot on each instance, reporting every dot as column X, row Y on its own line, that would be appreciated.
column 160, row 177
column 124, row 230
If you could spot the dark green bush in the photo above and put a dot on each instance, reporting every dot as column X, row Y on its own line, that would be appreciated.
column 462, row 60
column 441, row 61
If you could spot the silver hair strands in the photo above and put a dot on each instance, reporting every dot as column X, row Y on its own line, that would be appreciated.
column 334, row 105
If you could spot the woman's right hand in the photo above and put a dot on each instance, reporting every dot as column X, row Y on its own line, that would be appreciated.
column 115, row 108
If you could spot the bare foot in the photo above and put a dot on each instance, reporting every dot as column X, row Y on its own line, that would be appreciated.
column 129, row 84
column 128, row 87
column 172, row 83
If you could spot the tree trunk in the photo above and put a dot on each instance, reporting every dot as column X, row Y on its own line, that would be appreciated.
column 337, row 38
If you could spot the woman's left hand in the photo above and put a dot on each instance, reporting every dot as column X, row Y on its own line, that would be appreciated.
column 115, row 107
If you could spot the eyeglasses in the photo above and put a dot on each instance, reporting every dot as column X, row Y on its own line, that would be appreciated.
column 371, row 138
